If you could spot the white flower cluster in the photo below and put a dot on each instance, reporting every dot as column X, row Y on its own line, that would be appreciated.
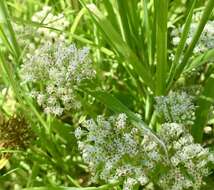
column 177, row 107
column 189, row 161
column 206, row 40
column 116, row 151
column 23, row 34
column 112, row 149
column 55, row 70
column 51, row 30
column 55, row 23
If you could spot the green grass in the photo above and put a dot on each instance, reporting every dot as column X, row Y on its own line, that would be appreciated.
column 130, row 45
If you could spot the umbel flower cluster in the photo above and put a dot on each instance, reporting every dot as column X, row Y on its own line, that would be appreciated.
column 51, row 29
column 177, row 107
column 55, row 23
column 189, row 162
column 115, row 150
column 206, row 40
column 55, row 70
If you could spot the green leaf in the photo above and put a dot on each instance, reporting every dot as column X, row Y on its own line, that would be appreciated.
column 148, row 30
column 204, row 103
column 63, row 130
column 200, row 60
column 161, row 9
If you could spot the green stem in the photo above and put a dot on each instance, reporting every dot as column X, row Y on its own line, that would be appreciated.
column 103, row 187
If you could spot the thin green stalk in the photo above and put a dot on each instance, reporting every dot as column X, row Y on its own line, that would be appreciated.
column 103, row 187
column 73, row 181
column 148, row 108
column 5, row 40
column 98, row 57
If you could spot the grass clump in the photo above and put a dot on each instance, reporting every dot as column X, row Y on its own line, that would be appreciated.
column 135, row 112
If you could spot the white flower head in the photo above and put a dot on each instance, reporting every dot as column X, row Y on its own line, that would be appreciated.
column 49, row 72
column 134, row 158
column 176, row 108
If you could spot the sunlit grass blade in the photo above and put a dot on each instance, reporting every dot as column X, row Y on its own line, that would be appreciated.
column 124, row 21
column 9, row 172
column 76, row 22
column 3, row 162
column 128, row 11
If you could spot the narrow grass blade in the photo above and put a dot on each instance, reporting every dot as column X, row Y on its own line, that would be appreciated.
column 124, row 20
column 181, row 45
column 9, row 172
column 5, row 40
column 161, row 9
column 76, row 22
column 130, row 20
column 200, row 60
column 63, row 130
column 148, row 30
